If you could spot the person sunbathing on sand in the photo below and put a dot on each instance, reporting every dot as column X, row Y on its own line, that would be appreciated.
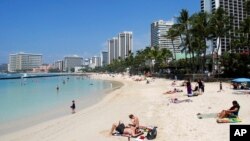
column 230, row 113
column 175, row 100
column 173, row 83
column 122, row 129
column 174, row 91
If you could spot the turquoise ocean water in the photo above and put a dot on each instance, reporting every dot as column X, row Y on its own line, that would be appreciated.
column 22, row 99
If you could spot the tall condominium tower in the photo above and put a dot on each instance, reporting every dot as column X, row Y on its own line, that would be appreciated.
column 120, row 47
column 125, row 41
column 24, row 61
column 158, row 36
column 113, row 49
column 104, row 58
column 95, row 61
column 233, row 8
column 72, row 62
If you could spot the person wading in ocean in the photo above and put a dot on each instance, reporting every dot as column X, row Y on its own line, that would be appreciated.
column 73, row 106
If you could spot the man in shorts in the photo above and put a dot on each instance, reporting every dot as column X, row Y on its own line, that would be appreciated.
column 122, row 129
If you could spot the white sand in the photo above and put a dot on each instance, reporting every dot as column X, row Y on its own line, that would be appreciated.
column 174, row 121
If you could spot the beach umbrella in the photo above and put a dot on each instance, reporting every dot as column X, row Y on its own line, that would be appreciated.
column 241, row 80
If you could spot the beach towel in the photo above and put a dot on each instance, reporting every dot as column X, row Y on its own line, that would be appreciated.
column 229, row 120
column 241, row 92
column 127, row 135
column 140, row 135
column 208, row 115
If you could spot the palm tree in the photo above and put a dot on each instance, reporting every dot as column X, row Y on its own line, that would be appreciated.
column 220, row 23
column 144, row 57
column 200, row 32
column 139, row 61
column 183, row 27
column 155, row 54
column 165, row 54
column 156, row 57
column 172, row 33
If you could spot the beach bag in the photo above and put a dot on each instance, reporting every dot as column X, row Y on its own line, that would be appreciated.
column 152, row 134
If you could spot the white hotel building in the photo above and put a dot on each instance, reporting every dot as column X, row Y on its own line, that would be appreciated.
column 158, row 36
column 72, row 62
column 113, row 49
column 125, row 41
column 120, row 47
column 104, row 58
column 24, row 61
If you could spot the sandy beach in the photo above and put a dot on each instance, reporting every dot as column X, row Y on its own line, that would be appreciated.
column 175, row 121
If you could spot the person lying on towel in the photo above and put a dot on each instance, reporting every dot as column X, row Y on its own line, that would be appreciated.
column 123, row 130
column 174, row 91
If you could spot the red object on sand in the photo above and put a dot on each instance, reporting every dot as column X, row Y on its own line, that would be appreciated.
column 142, row 137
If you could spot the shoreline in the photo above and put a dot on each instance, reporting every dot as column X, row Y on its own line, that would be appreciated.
column 57, row 112
column 174, row 121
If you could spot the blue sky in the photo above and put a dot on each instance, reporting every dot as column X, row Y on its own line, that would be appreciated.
column 57, row 28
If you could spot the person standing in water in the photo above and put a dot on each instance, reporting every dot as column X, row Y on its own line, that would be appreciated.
column 73, row 106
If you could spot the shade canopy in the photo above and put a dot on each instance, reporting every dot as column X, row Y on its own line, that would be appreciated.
column 241, row 80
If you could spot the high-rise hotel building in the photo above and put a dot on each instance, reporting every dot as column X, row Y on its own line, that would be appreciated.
column 113, row 49
column 96, row 61
column 234, row 8
column 24, row 61
column 104, row 58
column 158, row 36
column 125, row 44
column 120, row 47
